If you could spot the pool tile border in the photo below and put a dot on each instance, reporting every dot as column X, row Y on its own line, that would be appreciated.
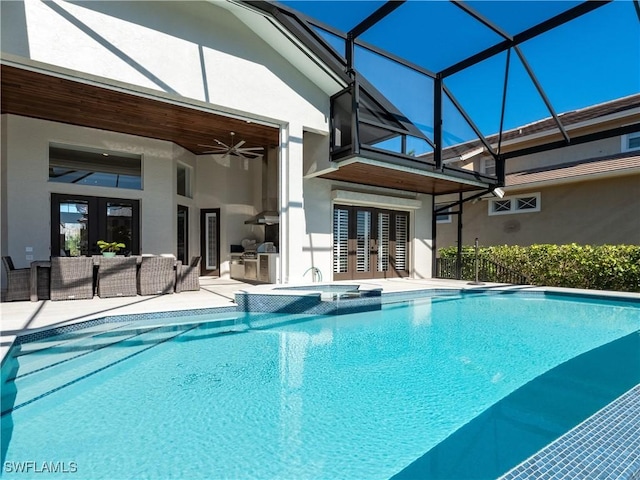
column 131, row 317
column 285, row 301
column 606, row 446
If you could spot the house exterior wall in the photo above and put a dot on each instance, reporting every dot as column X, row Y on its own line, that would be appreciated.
column 319, row 202
column 600, row 148
column 597, row 212
column 28, row 192
column 572, row 153
column 217, row 183
column 193, row 51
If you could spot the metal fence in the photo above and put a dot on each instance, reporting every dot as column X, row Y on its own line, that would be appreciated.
column 488, row 270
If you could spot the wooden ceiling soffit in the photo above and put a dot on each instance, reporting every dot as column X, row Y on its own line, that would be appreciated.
column 377, row 176
column 37, row 95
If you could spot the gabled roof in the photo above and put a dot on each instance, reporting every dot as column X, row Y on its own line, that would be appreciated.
column 620, row 113
column 609, row 166
column 575, row 117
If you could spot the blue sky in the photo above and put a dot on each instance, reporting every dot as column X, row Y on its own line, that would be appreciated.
column 590, row 60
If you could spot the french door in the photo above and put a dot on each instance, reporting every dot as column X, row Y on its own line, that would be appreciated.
column 369, row 243
column 78, row 222
column 210, row 241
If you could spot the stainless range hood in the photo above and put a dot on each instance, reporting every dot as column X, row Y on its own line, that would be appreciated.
column 266, row 217
column 269, row 214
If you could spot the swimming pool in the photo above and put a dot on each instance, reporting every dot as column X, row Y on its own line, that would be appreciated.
column 377, row 394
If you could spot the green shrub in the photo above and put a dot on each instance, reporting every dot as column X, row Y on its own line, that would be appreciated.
column 600, row 267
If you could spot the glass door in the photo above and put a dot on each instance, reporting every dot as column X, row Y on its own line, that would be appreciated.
column 365, row 242
column 210, row 241
column 73, row 229
column 369, row 243
column 78, row 222
column 119, row 223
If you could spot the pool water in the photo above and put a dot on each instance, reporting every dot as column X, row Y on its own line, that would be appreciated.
column 369, row 395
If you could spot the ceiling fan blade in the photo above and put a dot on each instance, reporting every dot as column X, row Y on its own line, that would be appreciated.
column 250, row 149
column 239, row 144
column 222, row 146
column 250, row 154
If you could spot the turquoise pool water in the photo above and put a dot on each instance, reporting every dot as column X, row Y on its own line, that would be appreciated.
column 360, row 396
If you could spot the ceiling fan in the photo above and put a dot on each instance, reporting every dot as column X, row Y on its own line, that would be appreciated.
column 235, row 150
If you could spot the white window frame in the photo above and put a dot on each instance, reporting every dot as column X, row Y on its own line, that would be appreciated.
column 513, row 206
column 446, row 212
column 483, row 166
column 626, row 139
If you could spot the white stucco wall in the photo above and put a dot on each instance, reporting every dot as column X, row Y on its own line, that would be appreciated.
column 422, row 238
column 319, row 200
column 193, row 50
column 28, row 208
column 233, row 186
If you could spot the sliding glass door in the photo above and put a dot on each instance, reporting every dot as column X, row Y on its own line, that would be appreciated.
column 369, row 243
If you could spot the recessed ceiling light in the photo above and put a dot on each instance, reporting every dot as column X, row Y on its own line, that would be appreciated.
column 105, row 154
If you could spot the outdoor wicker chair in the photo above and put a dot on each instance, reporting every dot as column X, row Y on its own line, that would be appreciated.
column 18, row 281
column 156, row 276
column 188, row 276
column 71, row 278
column 117, row 277
column 44, row 282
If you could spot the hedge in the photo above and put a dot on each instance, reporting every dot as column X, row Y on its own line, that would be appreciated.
column 600, row 267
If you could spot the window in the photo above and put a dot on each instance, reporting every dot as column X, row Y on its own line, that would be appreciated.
column 444, row 216
column 184, row 180
column 515, row 204
column 99, row 169
column 488, row 166
column 631, row 141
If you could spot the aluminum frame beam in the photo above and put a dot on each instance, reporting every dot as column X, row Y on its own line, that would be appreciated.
column 528, row 34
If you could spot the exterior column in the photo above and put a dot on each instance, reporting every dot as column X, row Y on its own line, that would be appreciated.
column 291, row 204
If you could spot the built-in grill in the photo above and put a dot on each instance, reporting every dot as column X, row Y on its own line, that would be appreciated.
column 250, row 255
column 256, row 263
column 250, row 260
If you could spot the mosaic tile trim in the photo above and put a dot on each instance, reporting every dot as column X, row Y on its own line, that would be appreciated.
column 307, row 304
column 606, row 446
column 368, row 301
column 390, row 297
column 61, row 330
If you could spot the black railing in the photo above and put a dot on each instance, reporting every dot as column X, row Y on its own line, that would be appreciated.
column 488, row 270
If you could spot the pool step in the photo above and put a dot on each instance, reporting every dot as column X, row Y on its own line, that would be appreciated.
column 37, row 355
column 29, row 387
column 35, row 346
